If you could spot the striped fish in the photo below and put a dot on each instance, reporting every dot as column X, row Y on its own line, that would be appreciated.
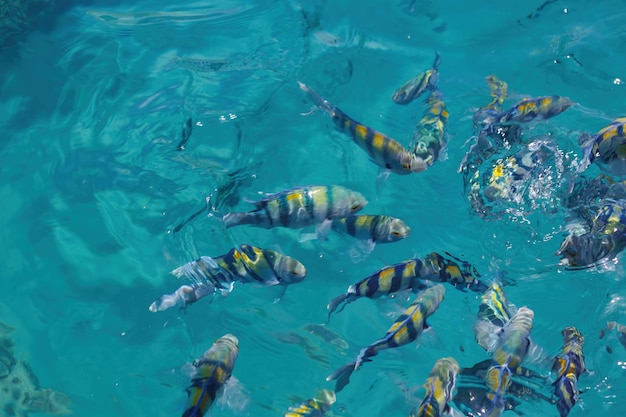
column 378, row 229
column 489, row 114
column 606, row 238
column 608, row 147
column 210, row 374
column 539, row 108
column 300, row 207
column 429, row 138
column 568, row 368
column 439, row 389
column 494, row 307
column 314, row 407
column 412, row 274
column 383, row 150
column 407, row 328
column 423, row 81
column 246, row 264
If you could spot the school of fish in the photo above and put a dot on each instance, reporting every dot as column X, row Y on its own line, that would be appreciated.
column 500, row 171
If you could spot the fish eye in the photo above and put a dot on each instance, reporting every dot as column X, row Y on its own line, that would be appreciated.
column 355, row 206
column 395, row 233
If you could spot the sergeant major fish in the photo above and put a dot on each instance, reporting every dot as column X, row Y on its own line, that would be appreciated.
column 300, row 207
column 411, row 274
column 413, row 88
column 429, row 139
column 314, row 407
column 538, row 108
column 568, row 368
column 608, row 147
column 378, row 229
column 439, row 389
column 211, row 372
column 383, row 150
column 246, row 264
column 408, row 327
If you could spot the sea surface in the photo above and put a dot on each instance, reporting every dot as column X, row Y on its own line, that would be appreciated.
column 99, row 198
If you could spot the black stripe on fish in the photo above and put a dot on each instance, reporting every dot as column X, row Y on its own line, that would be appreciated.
column 283, row 211
column 369, row 140
column 373, row 227
column 309, row 205
column 396, row 280
column 351, row 225
column 372, row 286
column 268, row 215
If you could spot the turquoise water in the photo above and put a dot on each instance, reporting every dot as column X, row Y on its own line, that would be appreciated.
column 93, row 189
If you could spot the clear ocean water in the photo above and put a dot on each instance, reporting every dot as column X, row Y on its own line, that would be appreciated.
column 98, row 204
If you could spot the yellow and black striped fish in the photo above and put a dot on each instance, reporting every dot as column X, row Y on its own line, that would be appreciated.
column 423, row 81
column 412, row 274
column 300, row 207
column 429, row 138
column 494, row 307
column 377, row 228
column 383, row 150
column 538, row 108
column 246, row 264
column 514, row 340
column 488, row 115
column 439, row 389
column 315, row 407
column 608, row 147
column 407, row 328
column 568, row 368
column 210, row 374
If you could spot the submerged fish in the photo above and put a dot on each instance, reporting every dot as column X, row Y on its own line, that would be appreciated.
column 314, row 407
column 384, row 151
column 429, row 139
column 620, row 329
column 488, row 115
column 210, row 374
column 20, row 393
column 412, row 274
column 538, row 108
column 378, row 229
column 407, row 328
column 439, row 389
column 300, row 207
column 568, row 367
column 246, row 264
column 494, row 307
column 606, row 238
column 413, row 88
column 608, row 147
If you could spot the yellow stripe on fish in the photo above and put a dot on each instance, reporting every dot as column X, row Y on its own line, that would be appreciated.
column 514, row 340
column 383, row 150
column 539, row 108
column 407, row 328
column 378, row 229
column 211, row 373
column 300, row 207
column 568, row 368
column 315, row 407
column 439, row 389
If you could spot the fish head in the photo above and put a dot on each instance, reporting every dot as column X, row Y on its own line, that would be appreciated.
column 354, row 201
column 288, row 270
column 411, row 90
column 395, row 230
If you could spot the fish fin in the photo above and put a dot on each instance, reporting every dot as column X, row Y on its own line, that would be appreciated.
column 184, row 295
column 342, row 376
column 228, row 289
column 281, row 293
column 381, row 179
column 49, row 402
column 321, row 229
column 342, row 301
column 236, row 219
column 233, row 396
column 487, row 335
column 317, row 99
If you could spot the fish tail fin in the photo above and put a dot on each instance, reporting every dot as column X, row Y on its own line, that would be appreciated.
column 198, row 271
column 49, row 402
column 198, row 402
column 340, row 301
column 342, row 376
column 437, row 60
column 236, row 219
column 185, row 295
column 317, row 99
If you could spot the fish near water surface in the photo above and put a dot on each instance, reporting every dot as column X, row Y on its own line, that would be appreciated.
column 429, row 138
column 300, row 207
column 246, row 264
column 412, row 274
column 439, row 389
column 211, row 372
column 535, row 109
column 406, row 329
column 568, row 367
column 413, row 88
column 314, row 407
column 384, row 151
column 605, row 239
column 377, row 228
column 607, row 147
